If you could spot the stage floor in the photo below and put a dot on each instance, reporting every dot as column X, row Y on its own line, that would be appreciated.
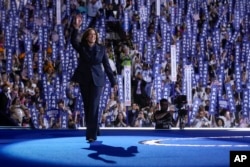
column 122, row 147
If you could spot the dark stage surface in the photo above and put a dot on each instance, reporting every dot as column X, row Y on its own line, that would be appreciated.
column 121, row 147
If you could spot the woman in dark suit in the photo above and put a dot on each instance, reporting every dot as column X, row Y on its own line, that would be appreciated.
column 90, row 74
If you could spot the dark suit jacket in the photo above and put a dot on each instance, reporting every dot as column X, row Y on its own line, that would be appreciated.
column 131, row 116
column 5, row 120
column 92, row 64
column 135, row 83
column 3, row 102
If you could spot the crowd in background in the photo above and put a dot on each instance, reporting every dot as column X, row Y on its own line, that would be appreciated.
column 22, row 91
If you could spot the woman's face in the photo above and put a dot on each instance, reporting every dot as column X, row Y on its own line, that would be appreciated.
column 120, row 116
column 220, row 123
column 41, row 111
column 91, row 38
column 17, row 101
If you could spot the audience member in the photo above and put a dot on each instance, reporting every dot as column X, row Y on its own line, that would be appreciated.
column 27, row 120
column 163, row 118
column 139, row 92
column 16, row 111
column 5, row 101
column 141, row 120
column 226, row 117
column 120, row 120
column 201, row 120
column 132, row 114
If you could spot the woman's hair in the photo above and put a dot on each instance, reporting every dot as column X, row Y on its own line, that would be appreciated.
column 86, row 34
column 217, row 121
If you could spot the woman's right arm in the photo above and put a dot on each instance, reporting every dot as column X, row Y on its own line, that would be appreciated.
column 75, row 33
column 74, row 40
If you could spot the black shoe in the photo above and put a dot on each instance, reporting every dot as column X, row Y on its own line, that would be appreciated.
column 91, row 140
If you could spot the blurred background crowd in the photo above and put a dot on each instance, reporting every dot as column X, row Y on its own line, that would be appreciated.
column 212, row 36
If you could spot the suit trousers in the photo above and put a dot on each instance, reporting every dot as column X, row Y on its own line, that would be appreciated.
column 91, row 99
